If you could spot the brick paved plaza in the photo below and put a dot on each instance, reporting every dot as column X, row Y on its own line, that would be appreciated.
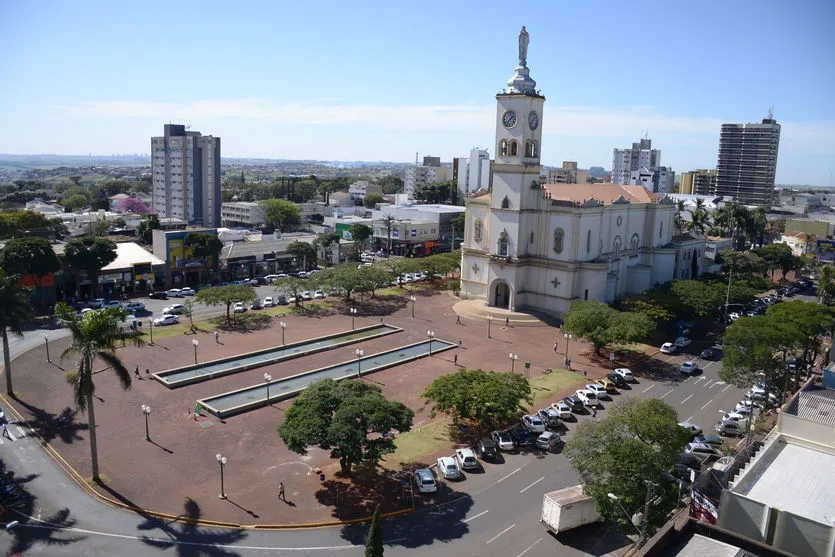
column 180, row 463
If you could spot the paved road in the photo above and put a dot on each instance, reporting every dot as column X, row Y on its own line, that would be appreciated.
column 500, row 515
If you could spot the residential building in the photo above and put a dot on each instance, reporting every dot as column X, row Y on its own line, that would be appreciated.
column 799, row 242
column 186, row 172
column 242, row 213
column 431, row 161
column 698, row 182
column 568, row 174
column 417, row 176
column 536, row 246
column 747, row 161
column 473, row 173
column 440, row 215
column 361, row 188
column 341, row 199
column 46, row 208
column 640, row 156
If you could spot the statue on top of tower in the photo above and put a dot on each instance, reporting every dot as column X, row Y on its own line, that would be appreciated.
column 524, row 39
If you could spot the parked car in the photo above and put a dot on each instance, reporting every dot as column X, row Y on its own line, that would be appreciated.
column 702, row 451
column 574, row 403
column 281, row 300
column 626, row 373
column 96, row 303
column 239, row 307
column 269, row 302
column 707, row 354
column 175, row 293
column 689, row 460
column 270, row 278
column 425, row 481
column 548, row 440
column 549, row 417
column 522, row 437
column 158, row 295
column 608, row 385
column 683, row 342
column 533, row 423
column 485, row 448
column 319, row 295
column 587, row 397
column 187, row 291
column 708, row 439
column 133, row 307
column 306, row 295
column 563, row 410
column 256, row 304
column 598, row 390
column 110, row 304
column 731, row 428
column 167, row 319
column 503, row 440
column 688, row 367
column 174, row 309
column 734, row 417
column 448, row 468
column 668, row 348
column 692, row 428
column 466, row 459
column 617, row 380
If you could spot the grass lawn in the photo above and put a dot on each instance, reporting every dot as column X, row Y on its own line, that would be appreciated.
column 546, row 386
column 413, row 445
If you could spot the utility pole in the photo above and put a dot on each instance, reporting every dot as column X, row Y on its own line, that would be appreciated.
column 645, row 518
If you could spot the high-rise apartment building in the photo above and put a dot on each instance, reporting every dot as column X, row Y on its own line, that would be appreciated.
column 185, row 166
column 640, row 156
column 568, row 174
column 699, row 182
column 417, row 176
column 472, row 174
column 747, row 161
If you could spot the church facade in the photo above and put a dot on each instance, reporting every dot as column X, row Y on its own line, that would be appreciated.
column 534, row 246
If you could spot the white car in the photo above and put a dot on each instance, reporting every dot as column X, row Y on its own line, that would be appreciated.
column 734, row 316
column 702, row 450
column 466, row 459
column 109, row 304
column 683, row 342
column 133, row 307
column 306, row 295
column 425, row 481
column 239, row 307
column 626, row 373
column 502, row 440
column 598, row 390
column 167, row 319
column 563, row 410
column 174, row 309
column 688, row 368
column 588, row 398
column 448, row 468
column 734, row 417
column 692, row 428
column 270, row 278
column 269, row 302
column 187, row 291
column 319, row 295
column 418, row 276
column 533, row 423
column 96, row 303
column 175, row 293
column 668, row 348
column 291, row 300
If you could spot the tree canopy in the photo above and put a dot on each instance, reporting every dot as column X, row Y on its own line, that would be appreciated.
column 226, row 295
column 90, row 254
column 372, row 199
column 29, row 256
column 281, row 214
column 12, row 223
column 637, row 442
column 144, row 231
column 374, row 539
column 304, row 253
column 749, row 348
column 360, row 233
column 15, row 312
column 347, row 418
column 205, row 246
column 348, row 279
column 602, row 325
column 487, row 398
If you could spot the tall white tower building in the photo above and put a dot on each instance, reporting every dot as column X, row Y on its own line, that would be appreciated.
column 472, row 173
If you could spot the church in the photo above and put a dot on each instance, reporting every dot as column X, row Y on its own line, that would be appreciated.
column 539, row 246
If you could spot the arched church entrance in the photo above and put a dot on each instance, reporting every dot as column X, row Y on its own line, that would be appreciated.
column 501, row 295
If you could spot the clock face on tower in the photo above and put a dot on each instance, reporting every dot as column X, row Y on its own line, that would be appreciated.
column 533, row 120
column 509, row 119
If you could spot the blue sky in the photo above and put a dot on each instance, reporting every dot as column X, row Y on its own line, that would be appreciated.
column 384, row 80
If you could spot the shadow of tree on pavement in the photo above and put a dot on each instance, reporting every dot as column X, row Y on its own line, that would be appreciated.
column 50, row 426
column 188, row 538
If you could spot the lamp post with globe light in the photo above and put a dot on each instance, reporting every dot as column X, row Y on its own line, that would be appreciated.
column 489, row 323
column 360, row 353
column 267, row 379
column 430, row 335
column 195, row 343
column 146, row 410
column 283, row 327
column 222, row 461
column 568, row 337
column 413, row 300
column 513, row 357
column 46, row 341
column 353, row 312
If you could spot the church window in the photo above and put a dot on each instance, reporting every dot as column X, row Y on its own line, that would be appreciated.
column 531, row 238
column 477, row 230
column 616, row 247
column 588, row 242
column 530, row 149
column 513, row 149
column 559, row 236
column 634, row 247
column 505, row 203
column 586, row 295
column 661, row 229
column 503, row 147
column 503, row 244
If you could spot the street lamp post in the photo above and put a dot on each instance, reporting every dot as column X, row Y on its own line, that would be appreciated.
column 283, row 327
column 222, row 460
column 489, row 323
column 359, row 354
column 353, row 315
column 513, row 357
column 195, row 343
column 151, row 325
column 147, row 411
column 430, row 335
column 645, row 516
column 413, row 300
column 616, row 499
column 568, row 338
column 46, row 341
column 267, row 379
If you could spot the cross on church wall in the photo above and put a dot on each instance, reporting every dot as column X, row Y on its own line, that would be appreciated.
column 556, row 282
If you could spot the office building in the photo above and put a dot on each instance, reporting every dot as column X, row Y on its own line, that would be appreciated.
column 747, row 161
column 473, row 173
column 242, row 213
column 568, row 174
column 698, row 182
column 417, row 176
column 185, row 166
column 640, row 156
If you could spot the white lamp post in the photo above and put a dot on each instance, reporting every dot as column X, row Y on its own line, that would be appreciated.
column 267, row 379
column 195, row 343
column 568, row 338
column 146, row 410
column 430, row 335
column 513, row 357
column 359, row 354
column 283, row 327
column 353, row 315
column 489, row 323
column 413, row 300
column 46, row 341
column 222, row 460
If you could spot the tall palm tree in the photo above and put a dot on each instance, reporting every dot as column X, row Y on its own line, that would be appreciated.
column 677, row 220
column 94, row 335
column 699, row 221
column 825, row 276
column 15, row 312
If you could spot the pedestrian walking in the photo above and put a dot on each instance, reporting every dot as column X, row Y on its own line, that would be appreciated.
column 458, row 319
column 6, row 429
column 455, row 359
column 594, row 411
column 568, row 363
column 136, row 373
column 555, row 347
column 217, row 337
column 281, row 492
column 585, row 374
column 147, row 372
column 507, row 321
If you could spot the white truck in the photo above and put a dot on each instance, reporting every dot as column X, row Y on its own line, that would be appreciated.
column 567, row 508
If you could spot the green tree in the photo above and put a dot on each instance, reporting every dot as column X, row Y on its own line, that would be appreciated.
column 188, row 311
column 304, row 253
column 487, row 398
column 653, row 307
column 809, row 322
column 75, row 202
column 776, row 256
column 750, row 346
column 90, row 254
column 391, row 184
column 15, row 313
column 12, row 224
column 32, row 256
column 372, row 199
column 225, row 295
column 144, row 231
column 347, row 418
column 93, row 335
column 697, row 298
column 374, row 540
column 638, row 442
column 602, row 325
column 281, row 214
column 360, row 234
column 293, row 287
column 458, row 223
column 206, row 246
column 388, row 222
column 347, row 279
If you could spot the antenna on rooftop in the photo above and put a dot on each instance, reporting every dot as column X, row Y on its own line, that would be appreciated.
column 188, row 126
column 416, row 158
column 771, row 113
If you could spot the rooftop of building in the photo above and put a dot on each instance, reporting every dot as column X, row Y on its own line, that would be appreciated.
column 431, row 208
column 604, row 193
column 797, row 234
column 814, row 403
column 128, row 254
column 267, row 244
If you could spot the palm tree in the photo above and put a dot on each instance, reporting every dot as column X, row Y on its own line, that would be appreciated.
column 15, row 311
column 677, row 220
column 94, row 335
column 699, row 221
column 827, row 273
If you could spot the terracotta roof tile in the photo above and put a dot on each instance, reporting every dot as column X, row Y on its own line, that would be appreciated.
column 605, row 193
